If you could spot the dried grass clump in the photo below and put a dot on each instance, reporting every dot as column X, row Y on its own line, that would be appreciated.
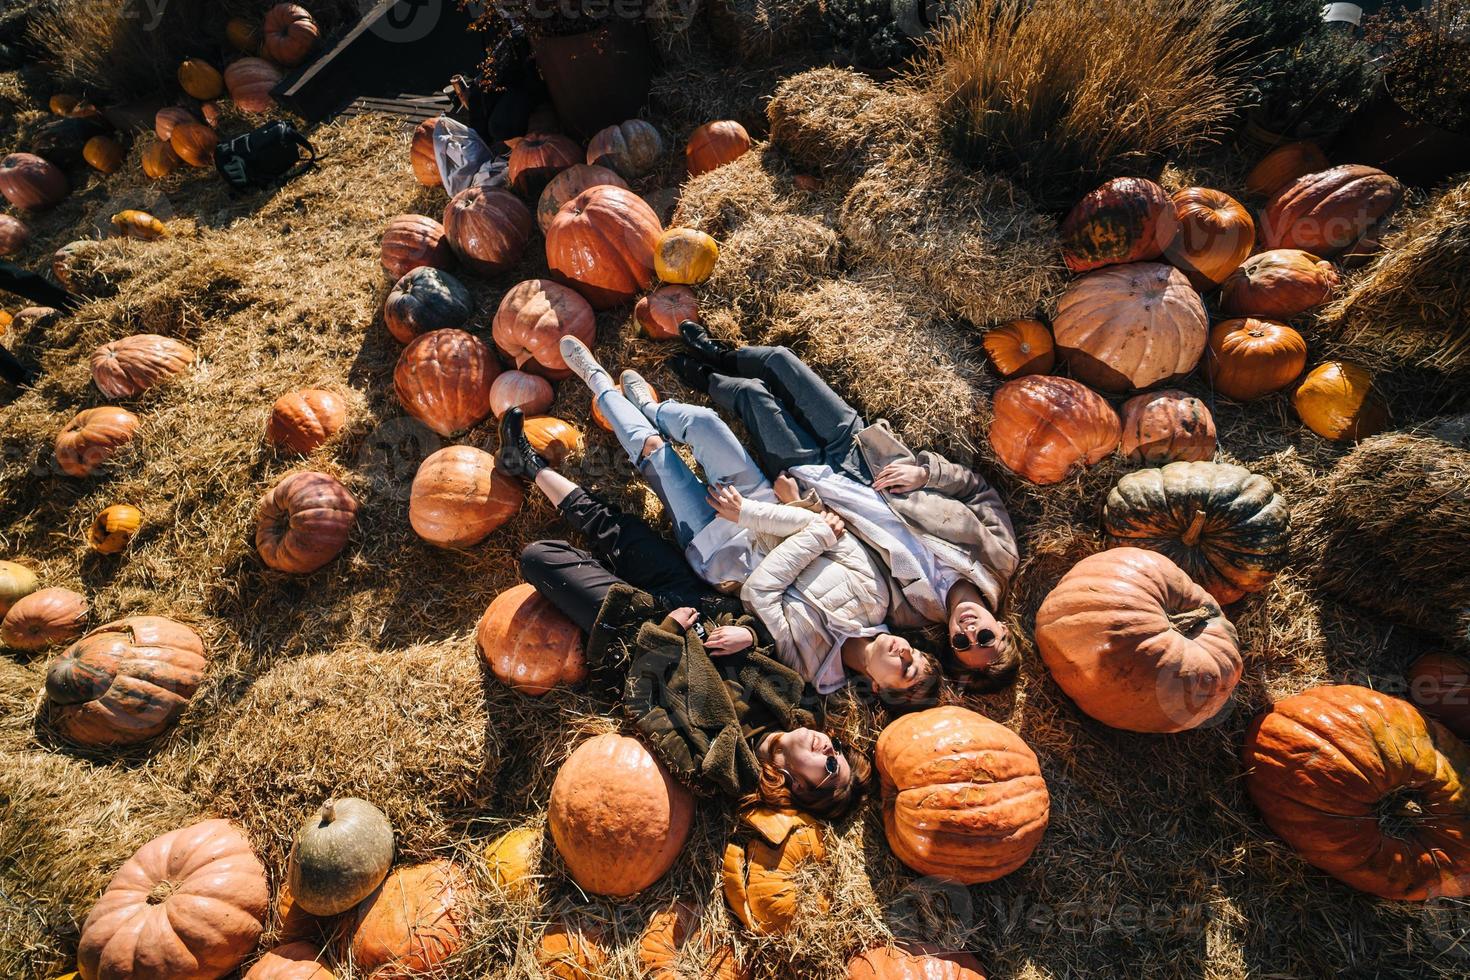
column 837, row 121
column 1391, row 532
column 1067, row 93
column 754, row 30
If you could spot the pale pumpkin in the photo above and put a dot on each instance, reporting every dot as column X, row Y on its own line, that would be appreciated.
column 289, row 34
column 715, row 144
column 458, row 498
column 200, row 79
column 127, row 368
column 1338, row 401
column 303, row 522
column 537, row 158
column 1328, row 213
column 567, row 185
column 914, row 961
column 293, row 961
column 487, row 228
column 113, row 529
column 412, row 923
column 411, row 241
column 532, row 319
column 762, row 861
column 1020, row 347
column 443, row 379
column 16, row 582
column 1127, row 219
column 528, row 644
column 250, row 81
column 340, row 854
column 1215, row 234
column 43, row 618
column 1167, row 426
column 512, row 860
column 1249, row 358
column 138, row 224
column 1045, row 427
column 531, row 393
column 426, row 299
column 1439, row 685
column 630, row 148
column 661, row 311
column 685, row 256
column 93, row 439
column 305, row 420
column 1278, row 285
column 602, row 244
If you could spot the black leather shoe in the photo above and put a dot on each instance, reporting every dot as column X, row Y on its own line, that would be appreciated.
column 516, row 455
column 693, row 373
column 715, row 353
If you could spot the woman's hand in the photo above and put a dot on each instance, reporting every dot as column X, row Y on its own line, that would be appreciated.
column 836, row 523
column 685, row 616
column 729, row 639
column 787, row 490
column 726, row 501
column 901, row 477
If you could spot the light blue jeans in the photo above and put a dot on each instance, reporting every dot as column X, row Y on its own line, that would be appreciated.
column 719, row 454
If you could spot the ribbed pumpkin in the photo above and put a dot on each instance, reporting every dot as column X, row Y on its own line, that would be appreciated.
column 1167, row 426
column 412, row 923
column 1226, row 527
column 685, row 256
column 340, row 854
column 93, row 438
column 1215, row 234
column 914, row 961
column 458, row 498
column 303, row 522
column 487, row 228
column 126, row 368
column 1137, row 644
column 293, row 961
column 168, row 118
column 158, row 160
column 125, row 682
column 289, row 34
column 113, row 529
column 62, row 103
column 421, row 156
column 1365, row 788
column 553, row 438
column 302, row 421
column 138, row 224
column 103, row 154
column 567, row 185
column 572, row 951
column 426, row 299
column 1337, row 400
column 13, row 234
column 715, row 144
column 210, row 112
column 16, row 582
column 243, row 35
column 768, row 851
column 533, row 318
column 528, row 644
column 293, row 922
column 1020, row 347
column 200, row 79
column 1328, row 213
column 31, row 183
column 963, row 797
column 539, row 157
column 188, row 905
column 617, row 817
column 630, row 148
column 250, row 81
column 1045, row 427
column 1128, row 219
column 1278, row 285
column 602, row 244
column 661, row 311
column 1131, row 326
column 601, row 419
column 443, row 379
column 1283, row 165
column 411, row 241
column 531, row 393
column 1249, row 358
column 674, row 947
column 194, row 142
column 1439, row 685
column 512, row 860
column 43, row 618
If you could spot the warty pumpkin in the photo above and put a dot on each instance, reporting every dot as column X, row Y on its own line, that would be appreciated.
column 570, row 950
column 685, row 256
column 1328, row 213
column 443, row 379
column 674, row 947
column 532, row 319
column 158, row 160
column 250, row 81
column 537, row 158
column 531, row 393
column 1226, row 527
column 567, row 185
column 138, row 224
column 412, row 923
column 1131, row 326
column 103, row 154
column 715, row 144
column 289, row 34
column 1365, row 788
column 1127, row 219
column 303, row 522
column 1137, row 644
column 303, row 421
column 1167, row 426
column 194, row 142
column 188, row 905
column 914, row 961
column 93, row 438
column 487, row 228
column 125, row 682
column 16, row 582
column 1044, row 427
column 528, row 644
column 602, row 244
column 426, row 299
column 512, row 860
column 1249, row 358
column 293, row 961
column 1439, row 686
column 31, row 183
column 553, row 439
column 421, row 158
column 126, row 368
column 1020, row 347
column 411, row 241
column 200, row 79
column 1338, row 401
column 765, row 855
column 617, row 817
column 13, row 234
column 458, row 498
column 630, row 148
column 43, row 618
column 1278, row 285
column 661, row 311
column 113, row 529
column 340, row 854
column 601, row 419
column 1283, row 165
column 1215, row 234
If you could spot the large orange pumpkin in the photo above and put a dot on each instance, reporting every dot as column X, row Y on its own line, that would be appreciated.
column 31, row 183
column 293, row 961
column 914, row 961
column 631, row 148
column 290, row 34
column 1216, row 233
column 618, row 819
column 421, row 156
column 602, row 244
column 1020, row 347
column 1128, row 219
column 194, row 142
column 411, row 241
column 1249, row 358
column 1439, row 685
column 674, row 947
column 303, row 522
column 661, row 311
column 301, row 421
column 188, row 905
column 963, row 797
column 533, row 318
column 13, row 234
column 567, row 185
column 443, row 379
column 43, row 618
column 128, row 367
column 1131, row 326
column 93, row 438
column 539, row 157
column 1166, row 426
column 458, row 498
column 531, row 393
column 1337, row 400
column 426, row 299
column 528, row 644
column 487, row 228
column 1328, row 213
column 768, row 851
column 412, row 923
column 1367, row 789
column 250, row 81
column 1045, row 427
column 572, row 951
column 1283, row 165
column 1278, row 285
column 715, row 144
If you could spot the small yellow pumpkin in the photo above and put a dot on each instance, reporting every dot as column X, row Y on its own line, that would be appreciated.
column 511, row 859
column 138, row 224
column 1337, row 401
column 685, row 256
column 114, row 528
column 201, row 79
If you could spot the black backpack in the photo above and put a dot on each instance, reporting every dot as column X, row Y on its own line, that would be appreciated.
column 264, row 156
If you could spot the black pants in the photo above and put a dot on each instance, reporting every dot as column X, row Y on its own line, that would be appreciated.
column 622, row 548
column 793, row 417
column 14, row 279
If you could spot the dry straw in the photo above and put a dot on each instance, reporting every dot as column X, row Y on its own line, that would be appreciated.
column 838, row 122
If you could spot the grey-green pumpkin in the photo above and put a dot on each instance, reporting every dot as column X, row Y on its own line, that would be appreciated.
column 1225, row 526
column 341, row 853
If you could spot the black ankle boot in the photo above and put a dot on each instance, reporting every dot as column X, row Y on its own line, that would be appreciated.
column 716, row 353
column 516, row 455
column 693, row 373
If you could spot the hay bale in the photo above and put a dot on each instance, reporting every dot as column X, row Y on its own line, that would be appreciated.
column 1391, row 532
column 838, row 121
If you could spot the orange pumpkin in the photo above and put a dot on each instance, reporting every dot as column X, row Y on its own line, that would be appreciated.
column 103, row 154
column 963, row 797
column 537, row 158
column 533, row 318
column 113, row 529
column 1278, row 285
column 528, row 644
column 43, row 618
column 1020, row 347
column 290, row 34
column 62, row 103
column 1131, row 326
column 1283, row 165
column 126, row 368
column 13, row 234
column 125, row 682
column 685, row 256
column 1365, row 788
column 293, row 961
column 1328, row 213
column 661, row 311
column 1337, row 400
column 159, row 160
column 426, row 299
column 1045, row 427
column 631, row 148
column 301, row 421
column 1216, row 233
column 412, row 923
column 673, row 947
column 31, row 183
column 715, row 144
column 1165, row 426
column 768, row 851
column 443, row 379
column 138, row 224
column 250, row 81
column 601, row 419
column 411, row 241
column 1249, row 358
column 553, row 438
column 617, row 817
column 512, row 860
column 602, row 244
column 567, row 185
column 421, row 156
column 458, row 498
column 568, row 951
column 200, row 79
column 303, row 522
column 914, row 961
column 243, row 35
column 190, row 903
column 1128, row 219
column 168, row 118
column 487, row 228
column 93, row 438
column 194, row 142
column 1439, row 685
column 531, row 393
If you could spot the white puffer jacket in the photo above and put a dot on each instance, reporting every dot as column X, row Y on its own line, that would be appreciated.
column 812, row 590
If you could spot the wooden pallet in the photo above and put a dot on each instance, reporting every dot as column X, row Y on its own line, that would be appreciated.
column 412, row 109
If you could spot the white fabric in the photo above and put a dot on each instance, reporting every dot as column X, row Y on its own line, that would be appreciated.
column 465, row 160
column 1348, row 13
column 723, row 554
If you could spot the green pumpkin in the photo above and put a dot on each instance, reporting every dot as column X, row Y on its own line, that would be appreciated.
column 341, row 854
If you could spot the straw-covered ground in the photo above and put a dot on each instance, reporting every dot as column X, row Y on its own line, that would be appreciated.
column 363, row 678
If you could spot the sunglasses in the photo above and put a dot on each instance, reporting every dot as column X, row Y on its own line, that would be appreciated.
column 832, row 766
column 961, row 641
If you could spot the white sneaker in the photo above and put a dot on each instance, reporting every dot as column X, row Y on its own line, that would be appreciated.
column 638, row 391
column 581, row 363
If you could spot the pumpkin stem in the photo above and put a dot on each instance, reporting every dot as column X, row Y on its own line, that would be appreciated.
column 1193, row 621
column 1399, row 813
column 161, row 892
column 329, row 811
column 1195, row 529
